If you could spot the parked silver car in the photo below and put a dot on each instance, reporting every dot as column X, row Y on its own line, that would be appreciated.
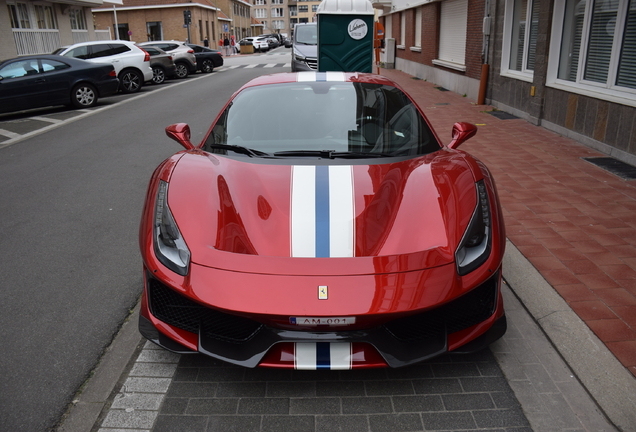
column 181, row 53
column 162, row 64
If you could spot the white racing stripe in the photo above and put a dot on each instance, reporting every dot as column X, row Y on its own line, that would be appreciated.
column 322, row 211
column 322, row 355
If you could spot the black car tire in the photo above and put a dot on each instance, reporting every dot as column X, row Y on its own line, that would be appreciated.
column 130, row 81
column 84, row 96
column 182, row 70
column 207, row 66
column 158, row 75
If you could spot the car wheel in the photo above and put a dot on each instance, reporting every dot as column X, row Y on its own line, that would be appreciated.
column 130, row 81
column 84, row 96
column 158, row 75
column 207, row 66
column 182, row 70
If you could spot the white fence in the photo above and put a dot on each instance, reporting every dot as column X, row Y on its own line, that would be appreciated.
column 103, row 34
column 80, row 36
column 29, row 41
column 36, row 41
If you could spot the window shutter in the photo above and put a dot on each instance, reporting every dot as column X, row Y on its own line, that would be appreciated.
column 452, row 44
column 599, row 51
column 627, row 67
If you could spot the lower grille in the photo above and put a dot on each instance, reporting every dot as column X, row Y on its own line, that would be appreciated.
column 176, row 310
column 472, row 308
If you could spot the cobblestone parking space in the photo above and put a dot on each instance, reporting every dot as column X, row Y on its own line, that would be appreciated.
column 448, row 393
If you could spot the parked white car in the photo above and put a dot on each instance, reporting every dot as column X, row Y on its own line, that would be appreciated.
column 132, row 64
column 260, row 43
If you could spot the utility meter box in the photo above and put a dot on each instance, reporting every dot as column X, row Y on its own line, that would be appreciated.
column 345, row 36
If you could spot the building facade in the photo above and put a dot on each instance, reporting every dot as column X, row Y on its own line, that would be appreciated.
column 568, row 65
column 146, row 20
column 30, row 27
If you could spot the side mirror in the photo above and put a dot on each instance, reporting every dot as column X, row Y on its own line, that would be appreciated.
column 180, row 132
column 461, row 132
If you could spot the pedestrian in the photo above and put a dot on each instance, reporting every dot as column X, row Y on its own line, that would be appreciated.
column 226, row 45
column 206, row 42
column 233, row 43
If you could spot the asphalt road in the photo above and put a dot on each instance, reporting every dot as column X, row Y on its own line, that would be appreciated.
column 70, row 270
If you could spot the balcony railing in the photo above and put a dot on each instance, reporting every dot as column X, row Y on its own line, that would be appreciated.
column 103, row 34
column 80, row 36
column 29, row 41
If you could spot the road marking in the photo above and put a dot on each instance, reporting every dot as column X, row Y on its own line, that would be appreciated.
column 250, row 66
column 46, row 119
column 270, row 65
column 8, row 134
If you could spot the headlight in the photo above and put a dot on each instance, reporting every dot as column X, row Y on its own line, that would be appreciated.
column 475, row 245
column 299, row 57
column 170, row 247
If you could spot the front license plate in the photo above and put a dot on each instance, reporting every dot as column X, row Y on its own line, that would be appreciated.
column 326, row 321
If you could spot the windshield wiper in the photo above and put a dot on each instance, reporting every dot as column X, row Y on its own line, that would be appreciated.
column 331, row 154
column 239, row 149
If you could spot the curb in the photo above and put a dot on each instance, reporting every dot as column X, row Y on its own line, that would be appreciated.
column 96, row 393
column 606, row 380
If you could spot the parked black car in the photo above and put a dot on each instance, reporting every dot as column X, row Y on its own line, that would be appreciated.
column 207, row 58
column 45, row 80
column 162, row 64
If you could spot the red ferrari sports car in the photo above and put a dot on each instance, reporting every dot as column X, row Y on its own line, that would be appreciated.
column 346, row 236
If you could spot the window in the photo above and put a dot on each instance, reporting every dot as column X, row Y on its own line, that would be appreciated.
column 154, row 30
column 293, row 11
column 20, row 68
column 45, row 17
column 314, row 8
column 596, row 46
column 277, row 12
column 303, row 8
column 19, row 14
column 452, row 34
column 278, row 24
column 521, row 27
column 53, row 65
column 260, row 13
column 260, row 2
column 278, row 2
column 402, row 29
column 122, row 31
column 418, row 28
column 76, row 16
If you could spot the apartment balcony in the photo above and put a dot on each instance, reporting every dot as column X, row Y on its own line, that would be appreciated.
column 383, row 5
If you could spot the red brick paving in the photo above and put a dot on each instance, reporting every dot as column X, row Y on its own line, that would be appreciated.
column 575, row 222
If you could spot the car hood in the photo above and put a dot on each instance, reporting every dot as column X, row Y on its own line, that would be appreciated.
column 255, row 215
column 306, row 50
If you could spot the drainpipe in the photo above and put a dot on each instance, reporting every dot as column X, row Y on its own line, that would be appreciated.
column 483, row 82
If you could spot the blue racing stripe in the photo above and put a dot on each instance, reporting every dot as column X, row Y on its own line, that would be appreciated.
column 322, row 212
column 323, row 356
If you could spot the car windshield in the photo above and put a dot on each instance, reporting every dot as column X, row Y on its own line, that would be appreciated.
column 307, row 34
column 321, row 119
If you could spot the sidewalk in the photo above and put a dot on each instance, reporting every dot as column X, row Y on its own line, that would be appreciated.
column 575, row 222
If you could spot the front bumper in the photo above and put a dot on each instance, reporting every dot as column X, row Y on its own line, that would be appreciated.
column 469, row 323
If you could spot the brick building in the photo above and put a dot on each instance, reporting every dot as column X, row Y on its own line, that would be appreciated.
column 145, row 20
column 568, row 65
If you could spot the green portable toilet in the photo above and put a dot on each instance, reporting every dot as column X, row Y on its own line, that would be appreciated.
column 345, row 36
